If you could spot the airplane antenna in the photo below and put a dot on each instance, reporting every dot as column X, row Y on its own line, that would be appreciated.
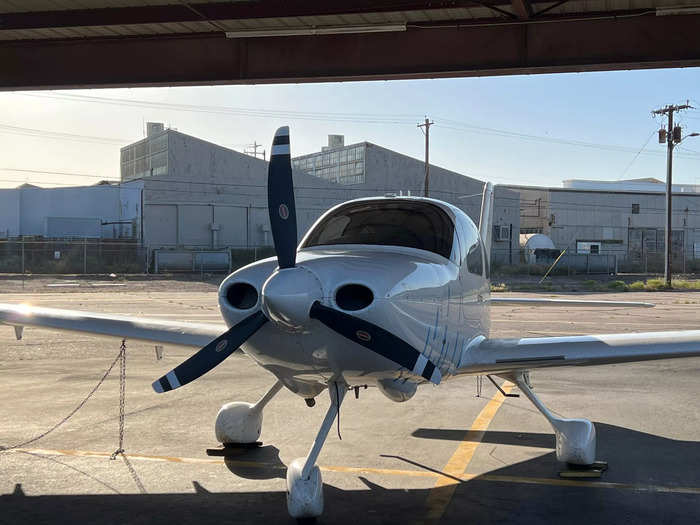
column 337, row 398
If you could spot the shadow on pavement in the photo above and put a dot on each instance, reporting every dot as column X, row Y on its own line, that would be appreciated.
column 635, row 458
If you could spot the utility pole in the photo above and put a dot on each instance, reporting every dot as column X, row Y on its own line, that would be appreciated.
column 672, row 137
column 252, row 150
column 426, row 132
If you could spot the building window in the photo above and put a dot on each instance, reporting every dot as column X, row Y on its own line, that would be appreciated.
column 635, row 209
column 588, row 247
column 345, row 166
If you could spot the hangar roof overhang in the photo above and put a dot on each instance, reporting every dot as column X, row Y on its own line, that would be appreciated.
column 49, row 44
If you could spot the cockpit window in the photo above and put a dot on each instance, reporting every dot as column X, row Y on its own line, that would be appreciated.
column 475, row 263
column 416, row 224
column 472, row 249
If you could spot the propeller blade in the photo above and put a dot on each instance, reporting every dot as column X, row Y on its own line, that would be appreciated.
column 376, row 339
column 211, row 355
column 280, row 200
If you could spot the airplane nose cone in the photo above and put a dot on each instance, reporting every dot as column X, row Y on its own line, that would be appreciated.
column 288, row 294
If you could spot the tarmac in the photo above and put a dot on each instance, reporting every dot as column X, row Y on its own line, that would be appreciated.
column 446, row 456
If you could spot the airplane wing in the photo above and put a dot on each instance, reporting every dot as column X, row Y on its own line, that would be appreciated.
column 183, row 334
column 529, row 301
column 490, row 356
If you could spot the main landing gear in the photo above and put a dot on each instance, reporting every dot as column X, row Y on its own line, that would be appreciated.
column 575, row 438
column 238, row 424
column 304, row 483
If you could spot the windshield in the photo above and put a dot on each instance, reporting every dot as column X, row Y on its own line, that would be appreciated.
column 417, row 224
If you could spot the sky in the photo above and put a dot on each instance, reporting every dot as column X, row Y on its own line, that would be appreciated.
column 526, row 129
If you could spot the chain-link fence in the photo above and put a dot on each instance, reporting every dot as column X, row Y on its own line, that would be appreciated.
column 80, row 256
column 566, row 264
column 538, row 262
column 103, row 256
column 204, row 259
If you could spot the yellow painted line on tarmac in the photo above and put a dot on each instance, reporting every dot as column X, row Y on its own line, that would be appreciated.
column 140, row 457
column 220, row 461
column 445, row 486
column 381, row 471
column 463, row 477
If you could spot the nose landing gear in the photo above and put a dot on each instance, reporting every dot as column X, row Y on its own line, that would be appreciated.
column 304, row 482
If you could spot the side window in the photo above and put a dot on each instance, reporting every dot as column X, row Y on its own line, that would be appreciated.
column 475, row 259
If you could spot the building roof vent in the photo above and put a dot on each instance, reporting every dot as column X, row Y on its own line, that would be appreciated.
column 153, row 128
column 336, row 141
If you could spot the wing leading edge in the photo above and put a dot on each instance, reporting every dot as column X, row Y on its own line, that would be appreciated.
column 505, row 355
column 530, row 301
column 182, row 334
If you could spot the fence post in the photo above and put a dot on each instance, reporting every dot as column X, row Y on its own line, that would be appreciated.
column 22, row 242
column 684, row 259
column 85, row 255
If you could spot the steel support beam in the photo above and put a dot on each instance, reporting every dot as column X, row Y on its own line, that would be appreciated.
column 196, row 12
column 643, row 41
column 522, row 8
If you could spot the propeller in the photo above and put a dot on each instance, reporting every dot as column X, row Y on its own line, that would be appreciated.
column 284, row 291
column 376, row 339
column 211, row 355
column 280, row 191
column 280, row 200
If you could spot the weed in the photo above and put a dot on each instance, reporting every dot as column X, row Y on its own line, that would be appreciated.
column 619, row 286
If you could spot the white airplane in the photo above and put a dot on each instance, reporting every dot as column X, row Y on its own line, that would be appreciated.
column 387, row 292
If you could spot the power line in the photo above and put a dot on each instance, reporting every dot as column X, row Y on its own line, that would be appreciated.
column 399, row 119
column 231, row 110
column 402, row 119
column 553, row 140
column 653, row 132
column 17, row 130
column 58, row 173
column 33, row 183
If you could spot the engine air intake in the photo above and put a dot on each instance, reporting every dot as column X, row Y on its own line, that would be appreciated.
column 353, row 297
column 242, row 296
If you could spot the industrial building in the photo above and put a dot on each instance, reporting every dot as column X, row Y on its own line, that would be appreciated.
column 102, row 211
column 201, row 199
column 624, row 219
column 195, row 205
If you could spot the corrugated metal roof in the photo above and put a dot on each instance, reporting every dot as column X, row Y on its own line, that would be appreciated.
column 29, row 6
column 244, row 24
column 407, row 16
